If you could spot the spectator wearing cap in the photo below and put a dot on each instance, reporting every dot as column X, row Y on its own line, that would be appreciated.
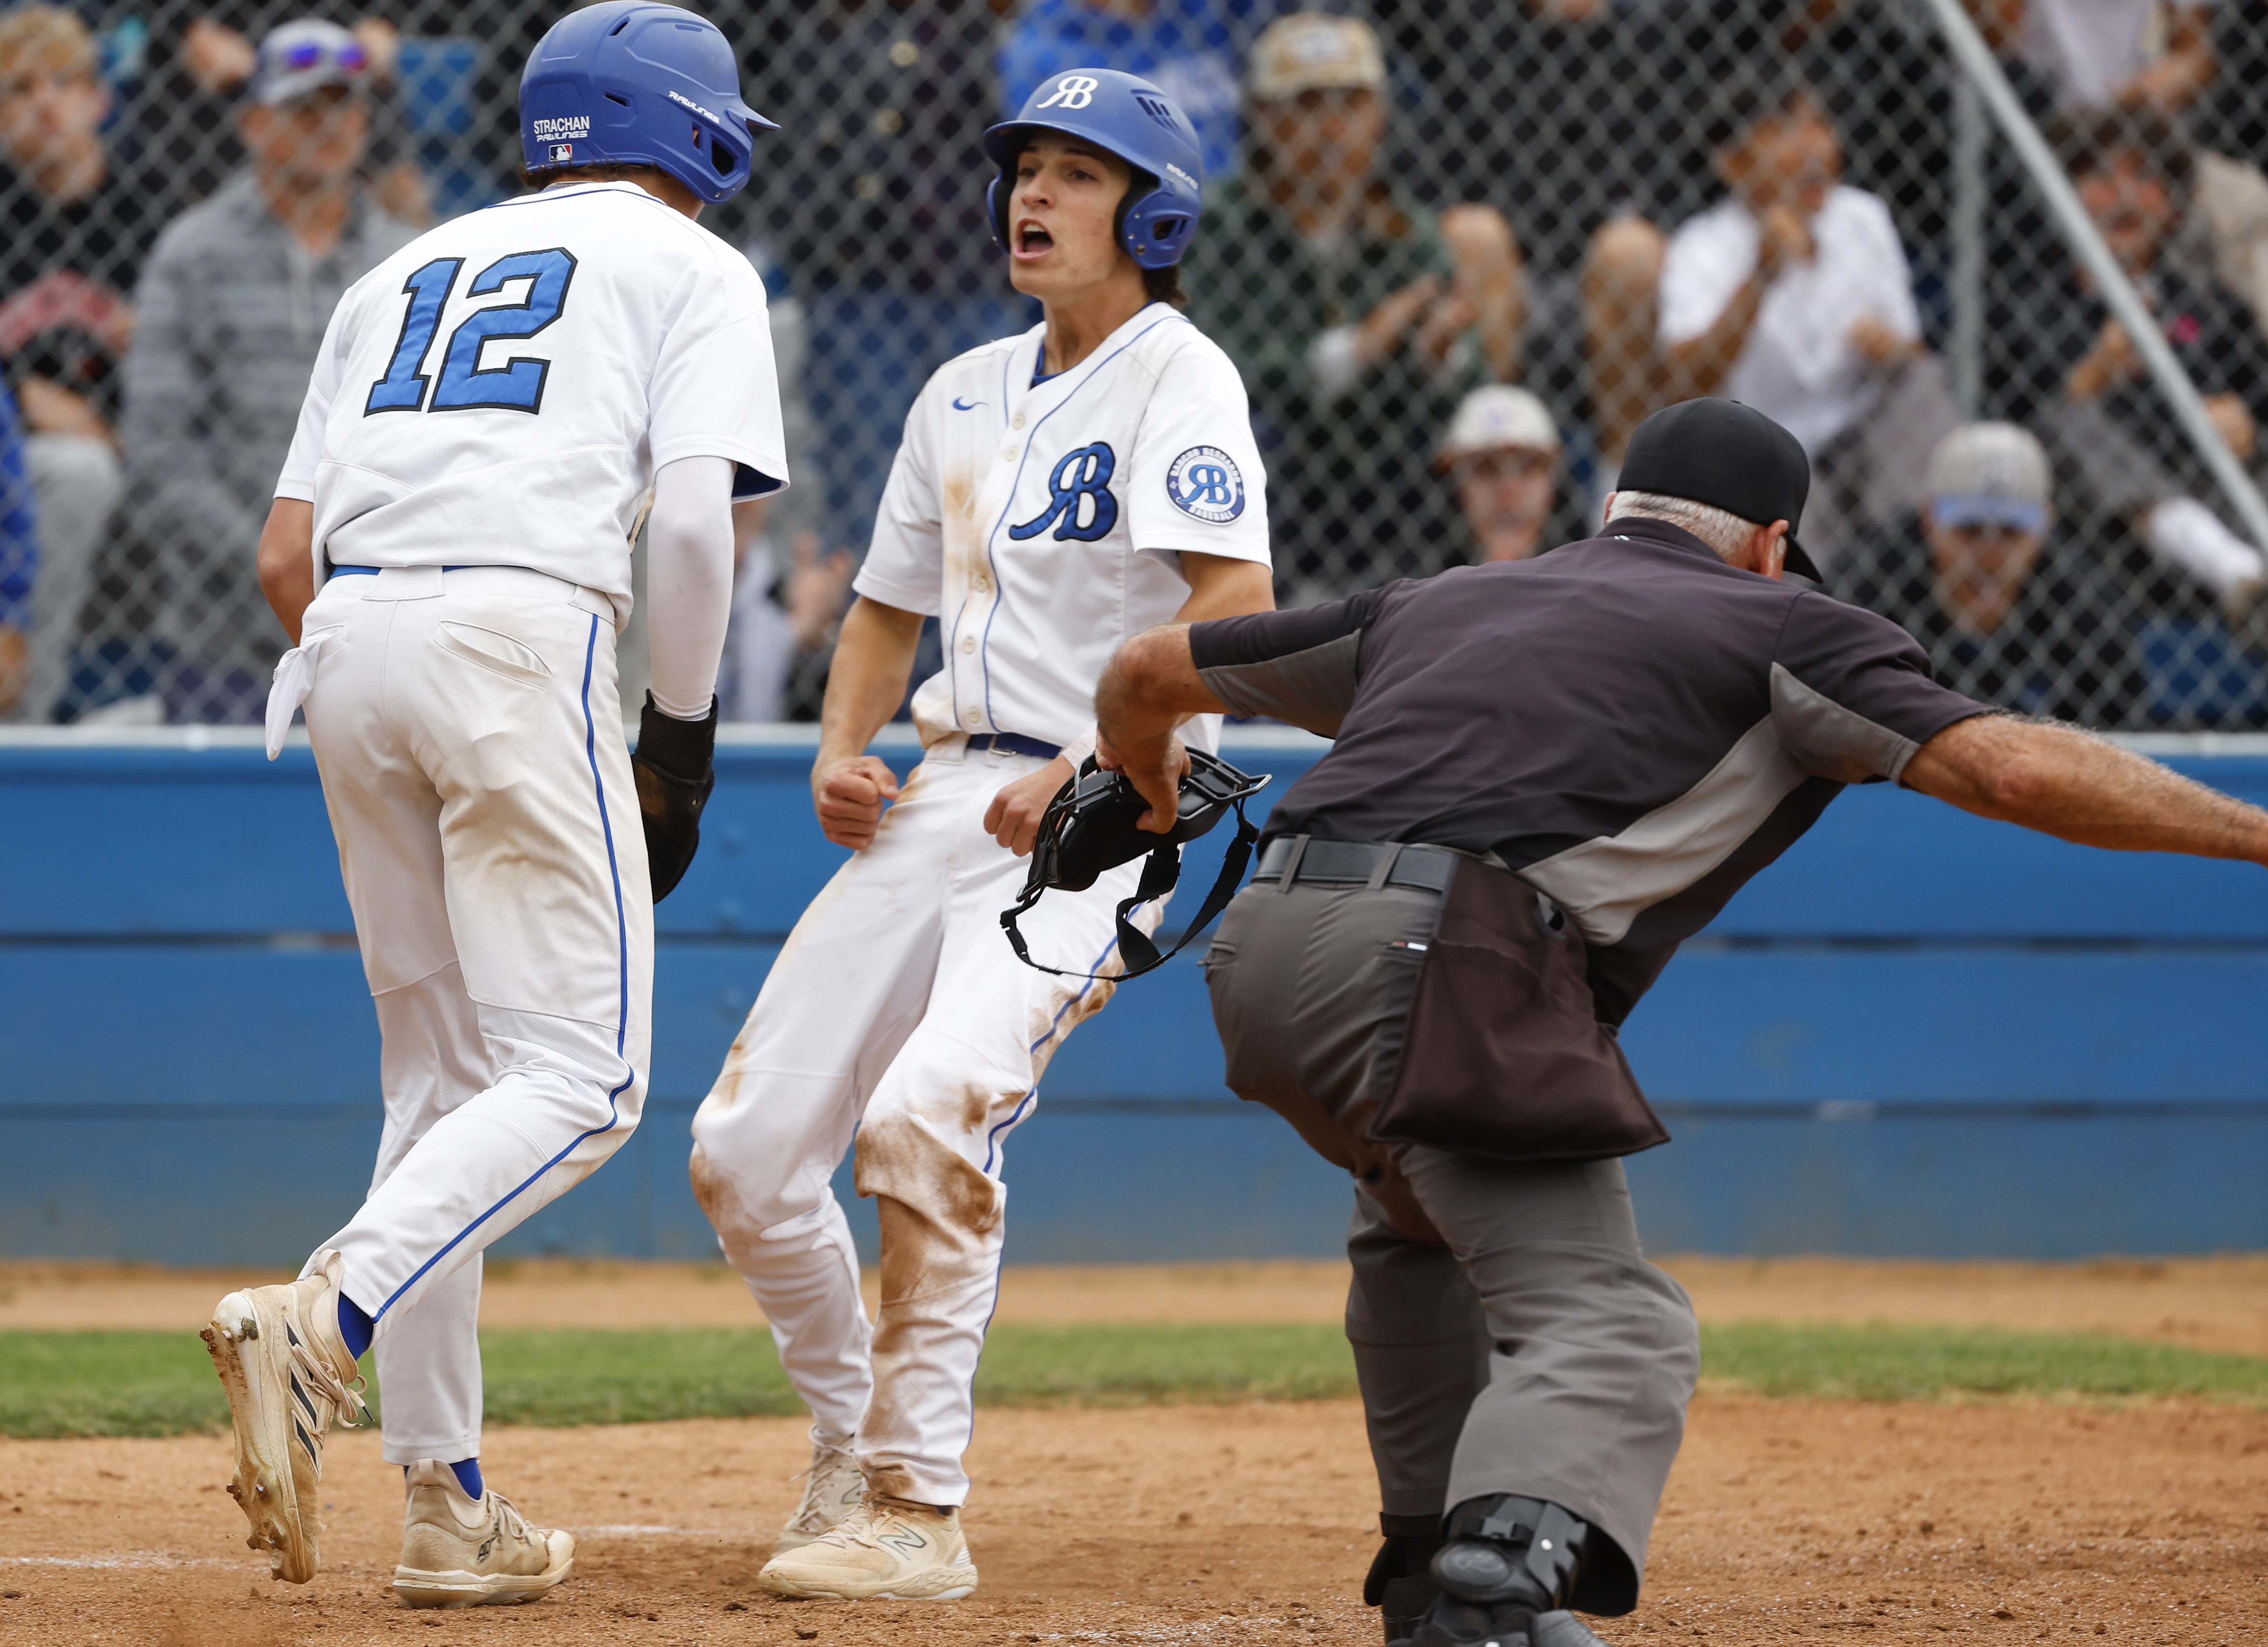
column 212, row 63
column 233, row 308
column 1502, row 455
column 75, row 227
column 1792, row 295
column 1357, row 317
column 2007, row 615
column 1544, row 776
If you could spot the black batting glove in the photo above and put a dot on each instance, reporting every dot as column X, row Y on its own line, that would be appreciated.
column 674, row 765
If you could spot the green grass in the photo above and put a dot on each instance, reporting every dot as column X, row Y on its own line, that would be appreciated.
column 1889, row 1364
column 160, row 1384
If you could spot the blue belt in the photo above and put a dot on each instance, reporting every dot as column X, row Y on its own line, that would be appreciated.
column 372, row 572
column 1014, row 742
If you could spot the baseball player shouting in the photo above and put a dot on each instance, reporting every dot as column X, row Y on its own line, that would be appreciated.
column 1055, row 492
column 449, row 548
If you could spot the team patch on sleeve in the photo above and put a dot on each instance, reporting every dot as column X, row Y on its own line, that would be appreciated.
column 1206, row 482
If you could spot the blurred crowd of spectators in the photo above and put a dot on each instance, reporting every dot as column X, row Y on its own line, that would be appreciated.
column 1459, row 250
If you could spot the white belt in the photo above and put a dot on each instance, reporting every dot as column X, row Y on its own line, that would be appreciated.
column 295, row 671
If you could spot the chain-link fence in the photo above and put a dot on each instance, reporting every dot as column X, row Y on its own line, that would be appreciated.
column 1458, row 249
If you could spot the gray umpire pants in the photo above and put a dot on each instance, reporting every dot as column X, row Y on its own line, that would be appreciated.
column 1508, row 1335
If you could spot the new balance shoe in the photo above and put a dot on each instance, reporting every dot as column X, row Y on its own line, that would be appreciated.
column 885, row 1550
column 832, row 1486
column 289, row 1377
column 458, row 1551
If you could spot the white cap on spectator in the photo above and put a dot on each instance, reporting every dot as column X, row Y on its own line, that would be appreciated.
column 1990, row 474
column 1312, row 51
column 298, row 58
column 1495, row 416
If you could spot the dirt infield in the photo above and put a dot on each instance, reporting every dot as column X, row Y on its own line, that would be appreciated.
column 1787, row 1522
column 2219, row 1304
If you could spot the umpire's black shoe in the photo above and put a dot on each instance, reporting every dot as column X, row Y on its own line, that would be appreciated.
column 1458, row 1624
column 1508, row 1565
column 1400, row 1583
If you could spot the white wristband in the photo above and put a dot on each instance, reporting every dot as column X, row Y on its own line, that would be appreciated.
column 1078, row 749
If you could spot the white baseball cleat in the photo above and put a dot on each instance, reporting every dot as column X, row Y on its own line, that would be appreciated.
column 462, row 1552
column 885, row 1550
column 288, row 1377
column 832, row 1486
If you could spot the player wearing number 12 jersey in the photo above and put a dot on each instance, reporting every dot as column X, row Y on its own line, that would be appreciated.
column 449, row 548
column 1056, row 492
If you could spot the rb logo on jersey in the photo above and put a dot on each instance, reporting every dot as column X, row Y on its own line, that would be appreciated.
column 1204, row 481
column 1082, row 478
column 1073, row 91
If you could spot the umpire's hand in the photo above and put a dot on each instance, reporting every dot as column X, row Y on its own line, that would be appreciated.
column 1155, row 767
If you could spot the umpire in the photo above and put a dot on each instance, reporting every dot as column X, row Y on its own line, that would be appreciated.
column 1545, row 775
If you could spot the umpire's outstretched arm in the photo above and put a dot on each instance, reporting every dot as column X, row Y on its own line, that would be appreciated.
column 2065, row 782
column 2055, row 778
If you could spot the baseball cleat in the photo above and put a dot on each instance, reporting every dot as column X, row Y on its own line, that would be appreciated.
column 885, row 1550
column 458, row 1551
column 288, row 1376
column 832, row 1486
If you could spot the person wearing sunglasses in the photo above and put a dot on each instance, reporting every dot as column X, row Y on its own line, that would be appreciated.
column 233, row 307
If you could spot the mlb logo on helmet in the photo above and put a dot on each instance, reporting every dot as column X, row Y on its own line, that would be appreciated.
column 562, row 152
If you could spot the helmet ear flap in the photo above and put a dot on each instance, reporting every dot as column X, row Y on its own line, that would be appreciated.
column 995, row 208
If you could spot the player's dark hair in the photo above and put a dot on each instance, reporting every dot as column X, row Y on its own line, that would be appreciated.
column 598, row 172
column 1164, row 285
column 1159, row 285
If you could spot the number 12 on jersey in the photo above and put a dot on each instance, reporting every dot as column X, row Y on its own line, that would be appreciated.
column 515, row 386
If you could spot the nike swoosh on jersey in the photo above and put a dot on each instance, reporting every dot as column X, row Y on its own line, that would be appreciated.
column 959, row 404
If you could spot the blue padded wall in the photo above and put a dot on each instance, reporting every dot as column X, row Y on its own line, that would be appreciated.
column 1920, row 1033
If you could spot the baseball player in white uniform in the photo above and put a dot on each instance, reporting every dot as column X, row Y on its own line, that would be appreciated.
column 449, row 548
column 1056, row 492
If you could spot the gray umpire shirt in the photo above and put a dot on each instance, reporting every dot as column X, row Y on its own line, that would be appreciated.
column 1630, row 724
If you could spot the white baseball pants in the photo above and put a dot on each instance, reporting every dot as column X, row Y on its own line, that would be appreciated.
column 469, row 737
column 897, row 1009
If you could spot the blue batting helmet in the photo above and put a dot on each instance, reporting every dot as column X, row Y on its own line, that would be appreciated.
column 1128, row 117
column 638, row 83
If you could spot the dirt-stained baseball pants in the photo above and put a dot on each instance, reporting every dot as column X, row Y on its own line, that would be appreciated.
column 469, row 737
column 897, row 1009
column 1508, row 1335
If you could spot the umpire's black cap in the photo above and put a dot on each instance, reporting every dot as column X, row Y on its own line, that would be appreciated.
column 1729, row 455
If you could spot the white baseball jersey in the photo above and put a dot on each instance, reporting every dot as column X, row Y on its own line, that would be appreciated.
column 501, row 391
column 1041, row 524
